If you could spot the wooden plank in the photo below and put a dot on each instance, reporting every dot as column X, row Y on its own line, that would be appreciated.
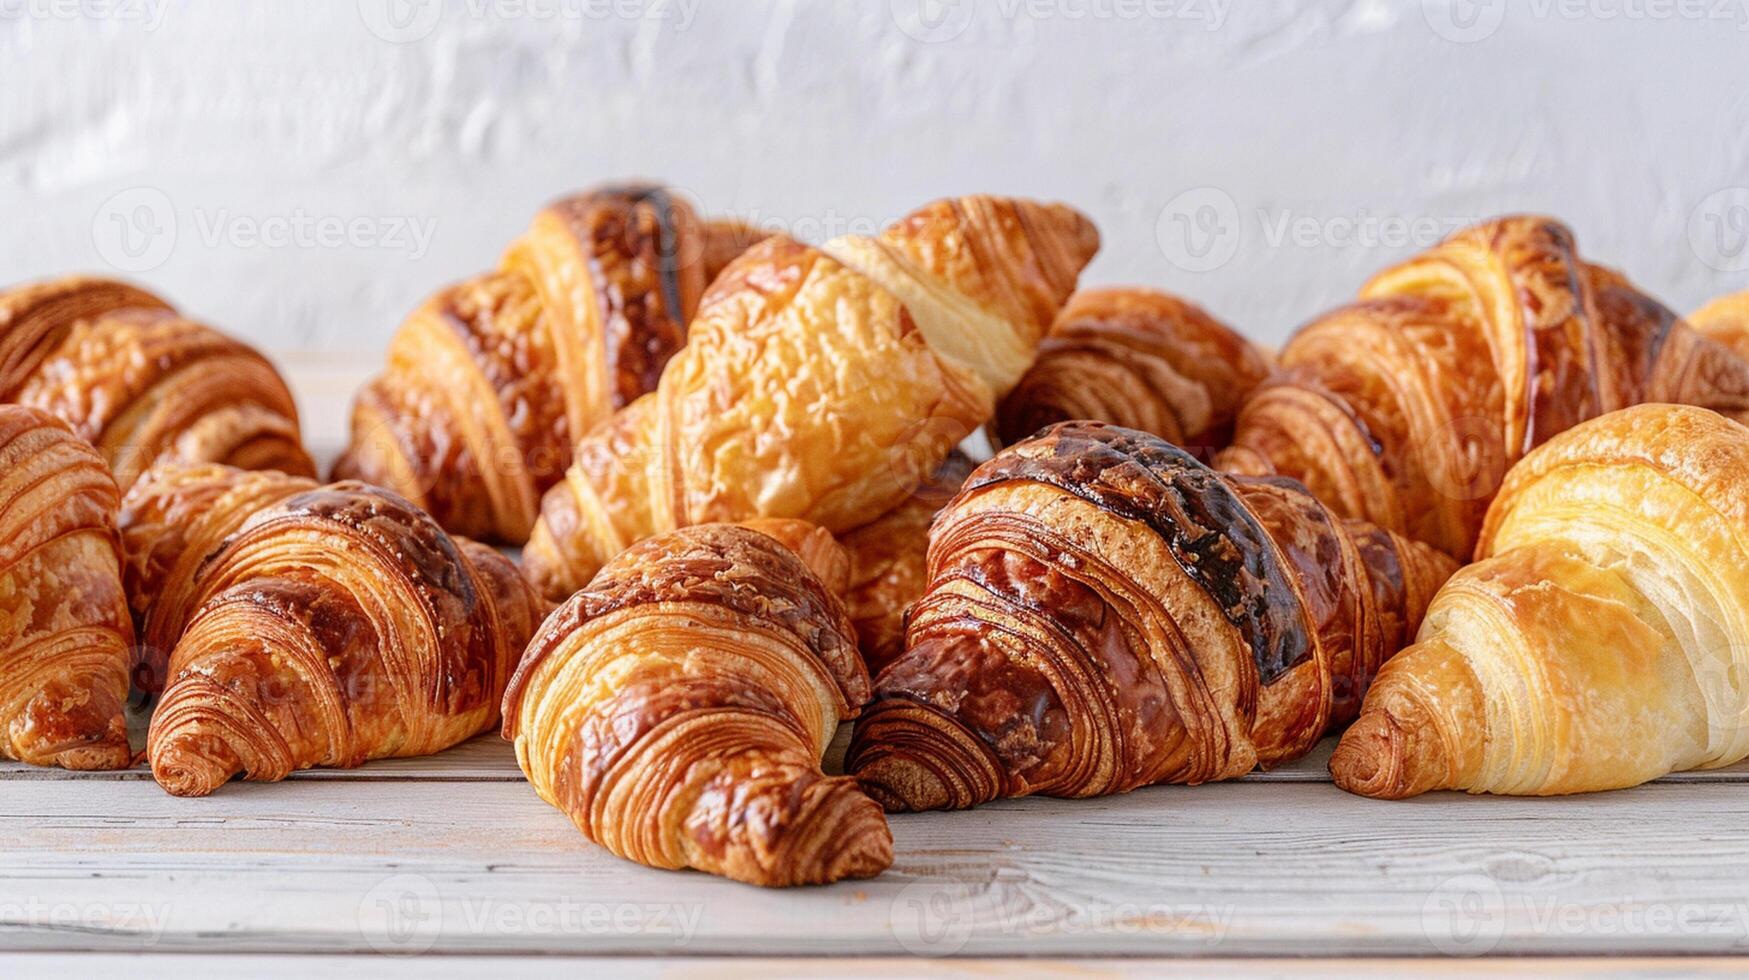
column 59, row 966
column 1236, row 869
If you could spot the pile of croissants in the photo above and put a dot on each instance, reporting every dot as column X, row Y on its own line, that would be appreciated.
column 731, row 460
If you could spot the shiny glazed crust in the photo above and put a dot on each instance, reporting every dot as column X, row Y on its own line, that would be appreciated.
column 141, row 383
column 1141, row 359
column 678, row 707
column 1407, row 407
column 819, row 381
column 65, row 638
column 337, row 625
column 490, row 382
column 1105, row 612
column 1599, row 640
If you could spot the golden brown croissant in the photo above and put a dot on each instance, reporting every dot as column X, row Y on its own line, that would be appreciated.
column 1406, row 408
column 141, row 383
column 491, row 380
column 171, row 519
column 65, row 638
column 678, row 707
column 338, row 625
column 1725, row 320
column 1601, row 639
column 1105, row 612
column 889, row 563
column 817, row 379
column 1141, row 359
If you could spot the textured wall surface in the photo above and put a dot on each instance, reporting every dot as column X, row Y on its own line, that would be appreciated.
column 303, row 173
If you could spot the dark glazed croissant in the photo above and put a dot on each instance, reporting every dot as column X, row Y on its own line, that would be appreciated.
column 141, row 383
column 1105, row 612
column 678, row 707
column 65, row 639
column 171, row 519
column 1406, row 408
column 817, row 379
column 336, row 626
column 1141, row 359
column 1602, row 637
column 491, row 381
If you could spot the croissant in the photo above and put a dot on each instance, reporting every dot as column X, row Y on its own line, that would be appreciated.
column 817, row 379
column 678, row 707
column 1600, row 640
column 1725, row 320
column 171, row 519
column 1140, row 359
column 889, row 563
column 65, row 638
column 336, row 626
column 1105, row 612
column 141, row 383
column 1407, row 407
column 490, row 381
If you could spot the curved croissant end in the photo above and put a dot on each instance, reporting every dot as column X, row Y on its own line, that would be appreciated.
column 818, row 382
column 1407, row 407
column 1105, row 612
column 1140, row 359
column 491, row 380
column 889, row 563
column 338, row 625
column 677, row 710
column 171, row 519
column 65, row 639
column 1598, row 642
column 141, row 383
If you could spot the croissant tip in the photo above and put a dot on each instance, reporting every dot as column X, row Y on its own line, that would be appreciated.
column 1371, row 759
column 910, row 757
column 183, row 770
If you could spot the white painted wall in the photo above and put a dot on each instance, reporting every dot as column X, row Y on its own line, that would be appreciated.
column 1284, row 138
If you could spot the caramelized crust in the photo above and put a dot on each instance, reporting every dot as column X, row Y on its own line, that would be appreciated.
column 1104, row 612
column 141, row 383
column 677, row 709
column 1407, row 407
column 65, row 639
column 492, row 380
column 1597, row 641
column 1725, row 320
column 818, row 381
column 338, row 624
column 1140, row 359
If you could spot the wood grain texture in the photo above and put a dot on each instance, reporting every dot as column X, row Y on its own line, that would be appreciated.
column 397, row 857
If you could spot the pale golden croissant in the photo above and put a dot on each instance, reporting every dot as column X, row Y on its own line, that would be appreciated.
column 678, row 707
column 1602, row 637
column 141, row 383
column 818, row 379
column 889, row 563
column 1105, row 612
column 491, row 381
column 338, row 625
column 1725, row 320
column 1141, row 359
column 65, row 638
column 1406, row 408
column 171, row 519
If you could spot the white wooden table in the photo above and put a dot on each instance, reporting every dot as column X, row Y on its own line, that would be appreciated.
column 454, row 859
